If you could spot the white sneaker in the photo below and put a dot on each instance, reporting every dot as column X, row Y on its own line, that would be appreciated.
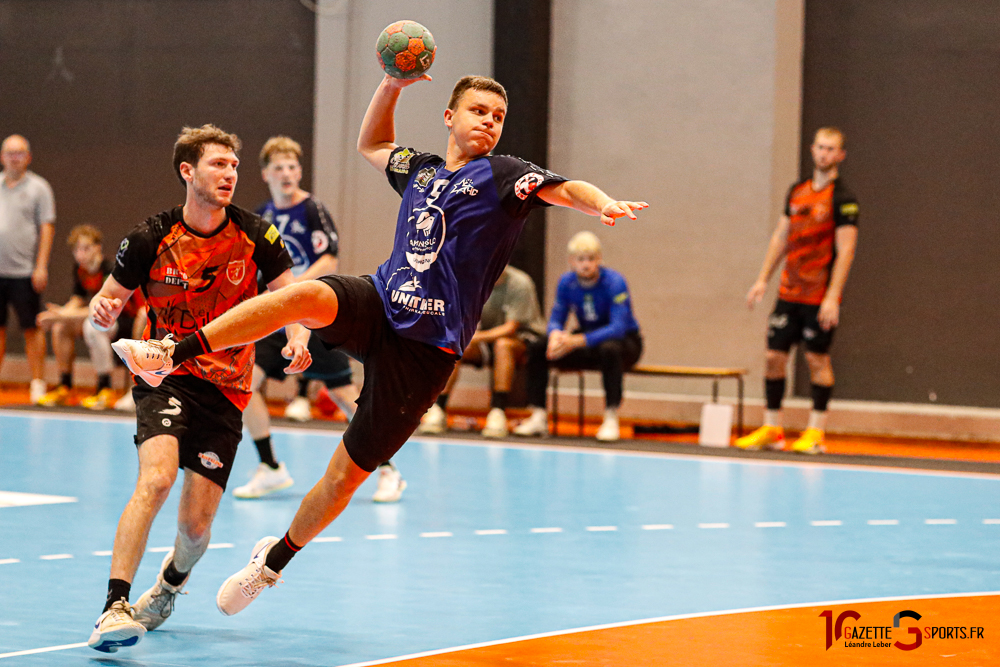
column 496, row 424
column 264, row 481
column 37, row 389
column 126, row 403
column 242, row 588
column 434, row 421
column 535, row 425
column 156, row 604
column 116, row 628
column 300, row 409
column 390, row 485
column 149, row 359
column 609, row 431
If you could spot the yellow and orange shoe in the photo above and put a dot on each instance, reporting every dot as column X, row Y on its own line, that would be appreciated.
column 102, row 400
column 810, row 442
column 766, row 437
column 56, row 397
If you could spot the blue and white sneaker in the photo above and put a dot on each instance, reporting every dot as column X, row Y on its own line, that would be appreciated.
column 149, row 359
column 239, row 590
column 116, row 628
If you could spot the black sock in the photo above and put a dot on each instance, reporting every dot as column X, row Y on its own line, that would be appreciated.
column 500, row 399
column 266, row 452
column 281, row 553
column 303, row 387
column 117, row 589
column 172, row 576
column 775, row 392
column 442, row 401
column 66, row 379
column 821, row 397
column 103, row 381
column 193, row 346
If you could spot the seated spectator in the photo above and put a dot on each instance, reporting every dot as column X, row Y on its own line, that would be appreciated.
column 511, row 321
column 70, row 321
column 607, row 339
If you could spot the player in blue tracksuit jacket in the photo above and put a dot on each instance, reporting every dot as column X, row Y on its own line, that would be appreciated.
column 607, row 336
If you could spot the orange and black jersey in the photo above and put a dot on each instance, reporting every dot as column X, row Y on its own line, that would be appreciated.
column 814, row 217
column 189, row 279
column 86, row 285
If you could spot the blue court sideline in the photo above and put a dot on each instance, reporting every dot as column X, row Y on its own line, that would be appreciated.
column 489, row 542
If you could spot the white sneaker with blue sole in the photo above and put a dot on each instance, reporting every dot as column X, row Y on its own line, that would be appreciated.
column 116, row 628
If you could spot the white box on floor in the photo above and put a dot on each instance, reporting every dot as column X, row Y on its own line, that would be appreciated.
column 716, row 425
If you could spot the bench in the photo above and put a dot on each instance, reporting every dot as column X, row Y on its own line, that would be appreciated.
column 714, row 374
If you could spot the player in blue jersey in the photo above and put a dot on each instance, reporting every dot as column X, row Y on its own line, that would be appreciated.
column 408, row 323
column 310, row 236
column 607, row 339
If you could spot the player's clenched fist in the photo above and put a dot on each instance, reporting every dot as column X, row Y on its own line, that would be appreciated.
column 104, row 312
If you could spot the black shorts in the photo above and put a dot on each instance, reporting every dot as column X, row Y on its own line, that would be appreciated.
column 403, row 377
column 27, row 303
column 207, row 425
column 330, row 366
column 792, row 323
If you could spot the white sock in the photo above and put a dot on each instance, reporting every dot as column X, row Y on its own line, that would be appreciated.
column 772, row 418
column 817, row 420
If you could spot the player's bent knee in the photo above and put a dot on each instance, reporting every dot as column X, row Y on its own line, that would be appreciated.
column 313, row 302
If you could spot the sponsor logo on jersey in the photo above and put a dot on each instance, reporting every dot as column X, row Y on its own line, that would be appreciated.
column 175, row 410
column 320, row 241
column 416, row 304
column 400, row 162
column 466, row 187
column 176, row 277
column 272, row 234
column 527, row 184
column 424, row 223
column 410, row 285
column 122, row 249
column 235, row 271
column 210, row 460
column 424, row 177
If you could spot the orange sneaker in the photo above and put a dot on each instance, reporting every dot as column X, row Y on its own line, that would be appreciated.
column 766, row 437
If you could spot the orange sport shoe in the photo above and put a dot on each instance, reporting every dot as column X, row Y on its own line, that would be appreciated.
column 766, row 437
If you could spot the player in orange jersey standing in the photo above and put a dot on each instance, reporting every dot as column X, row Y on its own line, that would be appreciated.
column 816, row 237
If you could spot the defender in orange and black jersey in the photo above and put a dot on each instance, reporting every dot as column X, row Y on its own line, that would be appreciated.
column 811, row 251
column 189, row 279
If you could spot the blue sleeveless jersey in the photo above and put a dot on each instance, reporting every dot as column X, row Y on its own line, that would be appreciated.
column 307, row 229
column 454, row 235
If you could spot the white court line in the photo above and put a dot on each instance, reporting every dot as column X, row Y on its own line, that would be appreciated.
column 546, row 530
column 9, row 561
column 713, row 525
column 42, row 650
column 832, row 522
column 883, row 522
column 658, row 526
column 770, row 524
column 328, row 539
column 56, row 557
column 991, row 522
column 646, row 621
column 102, row 553
column 160, row 550
column 220, row 545
column 441, row 534
column 384, row 536
column 18, row 499
column 940, row 522
column 492, row 531
column 601, row 529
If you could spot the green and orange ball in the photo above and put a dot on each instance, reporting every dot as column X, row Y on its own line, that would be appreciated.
column 405, row 49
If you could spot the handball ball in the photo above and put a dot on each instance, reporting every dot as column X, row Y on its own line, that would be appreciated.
column 405, row 49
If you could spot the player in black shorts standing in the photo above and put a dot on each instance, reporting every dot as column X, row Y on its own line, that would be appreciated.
column 192, row 263
column 409, row 322
column 311, row 239
column 816, row 237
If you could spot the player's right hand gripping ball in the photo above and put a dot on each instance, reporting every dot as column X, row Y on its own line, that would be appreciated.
column 405, row 49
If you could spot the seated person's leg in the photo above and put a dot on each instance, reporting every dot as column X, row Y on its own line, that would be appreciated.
column 538, row 381
column 435, row 420
column 507, row 351
column 102, row 356
column 64, row 336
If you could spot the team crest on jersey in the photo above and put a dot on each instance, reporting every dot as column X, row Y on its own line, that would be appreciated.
column 210, row 460
column 466, row 187
column 424, row 177
column 400, row 162
column 235, row 271
column 272, row 234
column 527, row 184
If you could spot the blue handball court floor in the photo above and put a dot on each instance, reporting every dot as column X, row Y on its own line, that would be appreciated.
column 491, row 541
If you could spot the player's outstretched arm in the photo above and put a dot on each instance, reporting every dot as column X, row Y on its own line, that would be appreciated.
column 590, row 199
column 377, row 138
column 775, row 252
column 107, row 304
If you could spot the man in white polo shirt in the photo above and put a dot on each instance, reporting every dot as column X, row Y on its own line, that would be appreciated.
column 27, row 226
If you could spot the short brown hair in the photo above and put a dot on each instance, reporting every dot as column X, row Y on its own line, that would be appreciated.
column 484, row 83
column 279, row 144
column 832, row 131
column 84, row 231
column 191, row 142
